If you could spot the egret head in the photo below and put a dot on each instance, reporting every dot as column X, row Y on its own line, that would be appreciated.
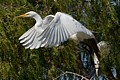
column 28, row 14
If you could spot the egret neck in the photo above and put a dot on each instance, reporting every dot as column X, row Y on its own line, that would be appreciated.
column 38, row 20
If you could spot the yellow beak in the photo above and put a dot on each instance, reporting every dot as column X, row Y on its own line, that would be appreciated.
column 23, row 15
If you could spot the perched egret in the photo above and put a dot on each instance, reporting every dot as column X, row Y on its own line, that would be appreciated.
column 53, row 30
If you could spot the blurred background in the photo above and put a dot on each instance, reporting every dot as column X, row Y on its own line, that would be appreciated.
column 101, row 16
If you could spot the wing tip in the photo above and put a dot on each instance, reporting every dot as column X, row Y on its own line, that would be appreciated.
column 20, row 38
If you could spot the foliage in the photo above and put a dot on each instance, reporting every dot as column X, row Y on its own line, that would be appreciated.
column 18, row 63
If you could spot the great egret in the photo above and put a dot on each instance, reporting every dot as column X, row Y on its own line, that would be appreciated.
column 53, row 30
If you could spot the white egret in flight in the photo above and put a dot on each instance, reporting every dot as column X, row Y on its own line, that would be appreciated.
column 53, row 30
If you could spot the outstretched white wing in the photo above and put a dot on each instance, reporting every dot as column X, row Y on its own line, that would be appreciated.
column 30, row 38
column 60, row 29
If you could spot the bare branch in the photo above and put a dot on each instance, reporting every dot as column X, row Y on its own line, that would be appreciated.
column 67, row 72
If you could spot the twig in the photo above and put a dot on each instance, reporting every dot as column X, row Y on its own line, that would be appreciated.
column 67, row 72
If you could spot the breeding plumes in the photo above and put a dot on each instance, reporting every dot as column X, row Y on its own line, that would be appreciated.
column 53, row 30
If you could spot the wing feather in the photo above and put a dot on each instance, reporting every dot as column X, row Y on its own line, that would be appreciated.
column 60, row 29
column 27, row 37
column 46, row 40
column 30, row 42
column 26, row 33
column 35, row 42
column 63, row 35
column 30, row 39
column 52, row 37
column 55, row 36
column 66, row 33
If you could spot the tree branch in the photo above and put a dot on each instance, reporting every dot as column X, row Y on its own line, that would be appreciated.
column 67, row 72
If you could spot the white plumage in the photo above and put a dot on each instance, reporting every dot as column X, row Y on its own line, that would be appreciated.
column 103, row 48
column 53, row 30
